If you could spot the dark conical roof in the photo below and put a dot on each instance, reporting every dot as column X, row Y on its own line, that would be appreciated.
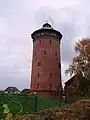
column 11, row 89
column 46, row 27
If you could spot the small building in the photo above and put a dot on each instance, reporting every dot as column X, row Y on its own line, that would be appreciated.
column 71, row 87
column 25, row 91
column 13, row 90
column 1, row 91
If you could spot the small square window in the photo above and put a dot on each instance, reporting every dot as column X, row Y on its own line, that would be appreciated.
column 50, row 86
column 50, row 74
column 58, row 65
column 45, row 52
column 38, row 85
column 39, row 63
column 38, row 34
column 38, row 75
column 39, row 41
column 42, row 34
column 55, row 53
column 52, row 34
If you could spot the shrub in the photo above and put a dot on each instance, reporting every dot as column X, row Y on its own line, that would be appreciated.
column 77, row 111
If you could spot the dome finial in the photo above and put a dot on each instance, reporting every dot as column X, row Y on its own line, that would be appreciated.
column 47, row 25
column 46, row 21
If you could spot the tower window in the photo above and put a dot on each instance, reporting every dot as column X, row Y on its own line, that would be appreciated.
column 38, row 85
column 50, row 74
column 39, row 63
column 42, row 34
column 50, row 41
column 45, row 52
column 38, row 75
column 55, row 53
column 38, row 34
column 35, row 53
column 39, row 41
column 58, row 65
column 50, row 86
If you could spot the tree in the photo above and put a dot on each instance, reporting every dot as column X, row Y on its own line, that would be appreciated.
column 81, row 63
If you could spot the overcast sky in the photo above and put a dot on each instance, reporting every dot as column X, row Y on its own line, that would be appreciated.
column 19, row 18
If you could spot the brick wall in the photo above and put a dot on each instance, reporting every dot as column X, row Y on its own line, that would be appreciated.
column 46, row 64
column 55, row 94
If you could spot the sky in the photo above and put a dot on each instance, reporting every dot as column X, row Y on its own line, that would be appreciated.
column 19, row 18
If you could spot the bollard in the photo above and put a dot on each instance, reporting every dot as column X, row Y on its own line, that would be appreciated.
column 35, row 102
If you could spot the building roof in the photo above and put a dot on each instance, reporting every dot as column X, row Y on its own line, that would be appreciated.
column 46, row 27
column 68, row 82
column 12, row 89
column 25, row 91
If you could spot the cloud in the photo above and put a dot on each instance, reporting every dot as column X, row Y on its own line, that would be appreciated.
column 20, row 17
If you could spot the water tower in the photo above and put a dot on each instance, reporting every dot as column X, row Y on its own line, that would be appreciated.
column 46, row 62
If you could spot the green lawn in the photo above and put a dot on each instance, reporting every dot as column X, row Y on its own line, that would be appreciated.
column 22, row 104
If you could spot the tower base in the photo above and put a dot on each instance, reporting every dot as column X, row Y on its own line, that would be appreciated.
column 55, row 94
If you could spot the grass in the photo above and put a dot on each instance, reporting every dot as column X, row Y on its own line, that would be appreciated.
column 76, row 111
column 22, row 104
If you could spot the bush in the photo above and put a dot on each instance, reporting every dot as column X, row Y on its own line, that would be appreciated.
column 77, row 111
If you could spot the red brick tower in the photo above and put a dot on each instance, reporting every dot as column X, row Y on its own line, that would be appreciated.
column 46, row 63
